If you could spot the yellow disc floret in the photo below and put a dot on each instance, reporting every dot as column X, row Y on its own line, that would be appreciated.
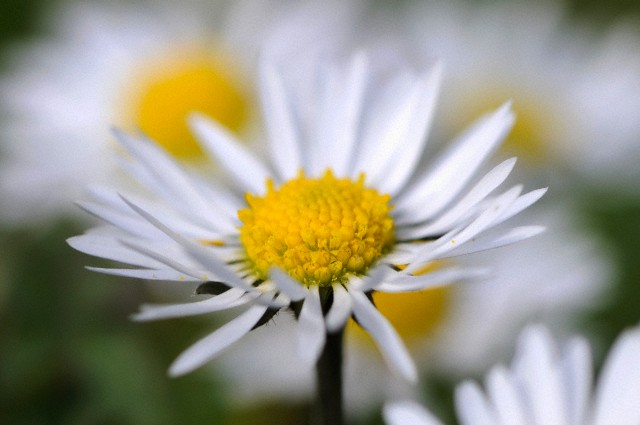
column 320, row 231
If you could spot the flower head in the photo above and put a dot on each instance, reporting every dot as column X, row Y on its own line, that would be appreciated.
column 547, row 386
column 558, row 77
column 335, row 211
column 139, row 65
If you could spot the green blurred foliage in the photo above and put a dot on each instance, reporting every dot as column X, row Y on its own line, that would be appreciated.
column 71, row 356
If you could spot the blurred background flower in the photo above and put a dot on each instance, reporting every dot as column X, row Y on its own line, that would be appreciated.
column 70, row 71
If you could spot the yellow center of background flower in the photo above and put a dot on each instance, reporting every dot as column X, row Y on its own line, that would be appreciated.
column 415, row 315
column 531, row 135
column 166, row 90
column 319, row 231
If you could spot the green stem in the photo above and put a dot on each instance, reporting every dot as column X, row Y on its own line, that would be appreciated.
column 329, row 381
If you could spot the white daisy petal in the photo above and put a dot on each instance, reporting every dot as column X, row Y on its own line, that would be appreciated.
column 392, row 348
column 236, row 159
column 577, row 375
column 164, row 260
column 371, row 282
column 376, row 160
column 388, row 112
column 455, row 167
column 167, row 176
column 472, row 407
column 126, row 222
column 618, row 394
column 450, row 242
column 107, row 247
column 432, row 279
column 408, row 413
column 497, row 238
column 523, row 202
column 340, row 309
column 479, row 192
column 539, row 378
column 285, row 283
column 503, row 391
column 152, row 274
column 210, row 346
column 283, row 137
column 337, row 133
column 199, row 252
column 311, row 330
column 229, row 299
column 410, row 141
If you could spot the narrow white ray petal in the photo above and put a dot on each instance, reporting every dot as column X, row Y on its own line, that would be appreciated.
column 310, row 330
column 375, row 278
column 210, row 346
column 152, row 274
column 450, row 242
column 167, row 175
column 164, row 260
column 523, row 202
column 578, row 376
column 484, row 187
column 472, row 407
column 432, row 279
column 337, row 123
column 221, row 211
column 391, row 346
column 389, row 105
column 403, row 253
column 503, row 392
column 284, row 144
column 455, row 167
column 618, row 394
column 538, row 375
column 341, row 145
column 378, row 154
column 267, row 299
column 238, row 161
column 110, row 249
column 289, row 286
column 130, row 224
column 340, row 309
column 408, row 412
column 229, row 299
column 410, row 141
column 201, row 254
column 497, row 238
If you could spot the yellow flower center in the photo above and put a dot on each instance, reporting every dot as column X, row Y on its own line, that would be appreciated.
column 320, row 231
column 166, row 90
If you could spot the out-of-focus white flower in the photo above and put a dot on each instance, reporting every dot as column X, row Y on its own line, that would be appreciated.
column 545, row 386
column 576, row 94
column 323, row 220
column 140, row 65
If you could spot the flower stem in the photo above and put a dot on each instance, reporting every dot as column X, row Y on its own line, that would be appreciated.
column 329, row 381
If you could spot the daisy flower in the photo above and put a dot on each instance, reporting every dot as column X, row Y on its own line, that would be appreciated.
column 139, row 65
column 576, row 93
column 546, row 387
column 335, row 210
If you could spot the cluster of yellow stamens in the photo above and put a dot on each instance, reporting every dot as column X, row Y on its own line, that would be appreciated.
column 319, row 231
